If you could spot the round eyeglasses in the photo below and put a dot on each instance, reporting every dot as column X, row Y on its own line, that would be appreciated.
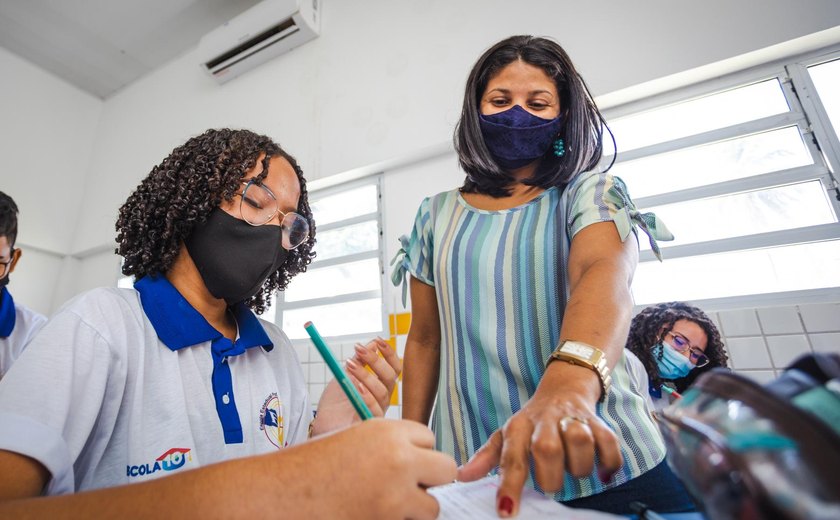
column 696, row 356
column 258, row 205
column 4, row 266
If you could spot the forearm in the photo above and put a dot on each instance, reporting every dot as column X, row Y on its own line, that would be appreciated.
column 421, row 371
column 599, row 313
column 243, row 488
column 181, row 496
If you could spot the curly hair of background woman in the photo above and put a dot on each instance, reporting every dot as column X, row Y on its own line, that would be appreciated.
column 653, row 323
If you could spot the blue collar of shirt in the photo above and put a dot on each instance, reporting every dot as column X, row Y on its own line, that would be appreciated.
column 7, row 313
column 179, row 325
column 655, row 391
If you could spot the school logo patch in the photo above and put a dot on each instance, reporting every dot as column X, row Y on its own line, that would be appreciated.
column 272, row 420
column 171, row 460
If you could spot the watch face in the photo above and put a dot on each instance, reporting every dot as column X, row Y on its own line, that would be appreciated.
column 577, row 349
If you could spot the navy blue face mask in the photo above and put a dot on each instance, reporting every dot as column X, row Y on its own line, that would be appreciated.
column 517, row 137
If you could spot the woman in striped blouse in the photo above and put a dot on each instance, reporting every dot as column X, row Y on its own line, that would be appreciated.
column 527, row 263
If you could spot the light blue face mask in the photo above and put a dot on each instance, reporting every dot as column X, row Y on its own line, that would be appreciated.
column 672, row 364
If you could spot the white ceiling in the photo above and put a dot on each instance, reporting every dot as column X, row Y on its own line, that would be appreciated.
column 103, row 45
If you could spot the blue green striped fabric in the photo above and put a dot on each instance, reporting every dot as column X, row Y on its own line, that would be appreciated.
column 500, row 304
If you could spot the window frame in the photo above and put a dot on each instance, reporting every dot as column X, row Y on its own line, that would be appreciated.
column 282, row 305
column 806, row 112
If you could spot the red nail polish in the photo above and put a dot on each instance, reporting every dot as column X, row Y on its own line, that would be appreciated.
column 506, row 505
column 605, row 476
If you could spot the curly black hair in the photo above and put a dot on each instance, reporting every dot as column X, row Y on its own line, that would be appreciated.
column 185, row 187
column 8, row 218
column 645, row 333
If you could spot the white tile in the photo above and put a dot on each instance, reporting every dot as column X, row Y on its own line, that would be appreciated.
column 315, row 392
column 821, row 317
column 761, row 377
column 784, row 349
column 348, row 350
column 780, row 320
column 739, row 323
column 316, row 373
column 393, row 412
column 748, row 353
column 715, row 319
column 401, row 345
column 827, row 342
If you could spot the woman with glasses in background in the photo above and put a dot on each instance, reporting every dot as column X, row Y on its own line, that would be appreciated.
column 675, row 342
column 125, row 386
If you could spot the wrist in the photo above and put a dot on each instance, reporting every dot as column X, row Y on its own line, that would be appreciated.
column 583, row 355
column 565, row 379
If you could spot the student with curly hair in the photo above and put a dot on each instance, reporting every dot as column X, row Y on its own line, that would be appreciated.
column 675, row 342
column 18, row 323
column 125, row 386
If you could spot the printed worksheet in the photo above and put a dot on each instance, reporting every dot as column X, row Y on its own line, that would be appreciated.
column 477, row 500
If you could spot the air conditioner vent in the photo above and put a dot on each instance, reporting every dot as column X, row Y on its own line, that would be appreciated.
column 265, row 31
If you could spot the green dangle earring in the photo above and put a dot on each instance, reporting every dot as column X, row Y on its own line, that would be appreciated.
column 559, row 147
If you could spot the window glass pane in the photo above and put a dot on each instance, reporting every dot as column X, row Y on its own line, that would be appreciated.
column 347, row 240
column 761, row 211
column 761, row 271
column 826, row 77
column 271, row 312
column 339, row 319
column 344, row 205
column 708, row 164
column 699, row 115
column 335, row 280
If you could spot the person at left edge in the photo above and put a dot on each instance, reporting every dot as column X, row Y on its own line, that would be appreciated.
column 128, row 385
column 18, row 323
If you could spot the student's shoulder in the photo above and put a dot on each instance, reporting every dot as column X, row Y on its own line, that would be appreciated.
column 102, row 302
column 24, row 314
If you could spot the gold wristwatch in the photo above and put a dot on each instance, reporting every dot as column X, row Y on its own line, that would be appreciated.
column 581, row 354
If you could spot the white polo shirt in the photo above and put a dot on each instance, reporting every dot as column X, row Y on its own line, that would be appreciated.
column 126, row 385
column 18, row 324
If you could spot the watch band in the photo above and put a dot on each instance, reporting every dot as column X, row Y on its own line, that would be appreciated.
column 585, row 355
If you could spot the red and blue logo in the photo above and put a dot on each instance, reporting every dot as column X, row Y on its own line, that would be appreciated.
column 173, row 459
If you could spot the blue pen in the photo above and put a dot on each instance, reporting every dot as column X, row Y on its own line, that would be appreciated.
column 338, row 372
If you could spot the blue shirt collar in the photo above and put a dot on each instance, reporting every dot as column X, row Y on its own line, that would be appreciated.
column 179, row 325
column 7, row 313
column 655, row 391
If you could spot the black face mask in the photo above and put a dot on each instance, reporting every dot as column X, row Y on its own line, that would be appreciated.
column 5, row 280
column 233, row 257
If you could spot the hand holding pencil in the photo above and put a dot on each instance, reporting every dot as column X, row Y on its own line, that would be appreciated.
column 359, row 392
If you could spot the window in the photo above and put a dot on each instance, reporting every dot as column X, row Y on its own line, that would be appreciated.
column 741, row 171
column 341, row 291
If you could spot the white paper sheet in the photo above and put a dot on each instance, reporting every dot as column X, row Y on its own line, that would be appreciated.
column 477, row 500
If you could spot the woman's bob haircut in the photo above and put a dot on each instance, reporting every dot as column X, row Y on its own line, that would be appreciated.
column 582, row 123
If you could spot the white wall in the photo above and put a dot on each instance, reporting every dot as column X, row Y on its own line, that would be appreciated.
column 47, row 132
column 383, row 82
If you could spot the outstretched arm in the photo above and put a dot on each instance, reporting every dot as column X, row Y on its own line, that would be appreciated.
column 317, row 479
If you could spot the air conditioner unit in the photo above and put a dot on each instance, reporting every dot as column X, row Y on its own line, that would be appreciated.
column 261, row 33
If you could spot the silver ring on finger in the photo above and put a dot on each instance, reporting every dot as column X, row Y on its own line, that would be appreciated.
column 566, row 420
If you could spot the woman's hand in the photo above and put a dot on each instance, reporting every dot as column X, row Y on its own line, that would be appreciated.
column 375, row 386
column 558, row 428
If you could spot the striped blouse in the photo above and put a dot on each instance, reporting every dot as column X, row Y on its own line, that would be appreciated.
column 501, row 304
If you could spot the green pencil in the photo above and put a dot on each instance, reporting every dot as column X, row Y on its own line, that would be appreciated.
column 340, row 376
